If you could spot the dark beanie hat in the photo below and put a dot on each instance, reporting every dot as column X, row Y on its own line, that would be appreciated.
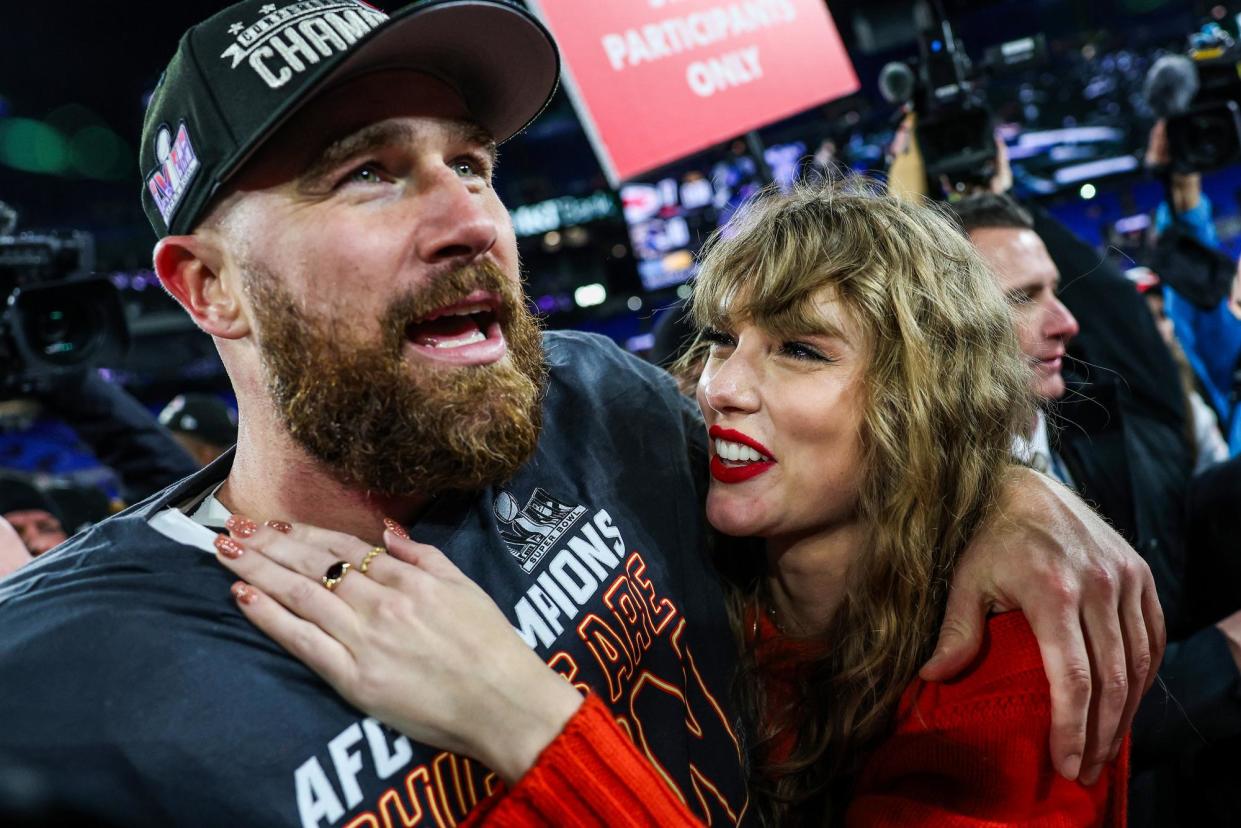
column 18, row 495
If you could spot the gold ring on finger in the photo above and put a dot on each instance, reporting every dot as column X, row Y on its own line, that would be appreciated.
column 335, row 574
column 375, row 552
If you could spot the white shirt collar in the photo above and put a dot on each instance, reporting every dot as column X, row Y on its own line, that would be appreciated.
column 197, row 529
column 1027, row 449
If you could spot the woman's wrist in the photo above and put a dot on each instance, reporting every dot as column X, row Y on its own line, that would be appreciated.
column 534, row 716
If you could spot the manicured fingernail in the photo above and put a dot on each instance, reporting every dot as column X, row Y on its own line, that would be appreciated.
column 280, row 526
column 228, row 547
column 242, row 527
column 395, row 528
column 1091, row 775
column 1072, row 766
column 243, row 594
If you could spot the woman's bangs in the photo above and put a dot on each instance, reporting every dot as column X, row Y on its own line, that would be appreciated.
column 762, row 276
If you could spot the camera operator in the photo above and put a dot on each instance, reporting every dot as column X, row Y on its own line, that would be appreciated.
column 1202, row 428
column 1210, row 336
column 123, row 436
column 59, row 323
column 119, row 431
column 946, row 147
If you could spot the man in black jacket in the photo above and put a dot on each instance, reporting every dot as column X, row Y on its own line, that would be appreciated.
column 120, row 432
column 1097, row 439
column 122, row 435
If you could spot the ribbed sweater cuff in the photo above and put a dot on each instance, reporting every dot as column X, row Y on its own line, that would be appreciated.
column 591, row 774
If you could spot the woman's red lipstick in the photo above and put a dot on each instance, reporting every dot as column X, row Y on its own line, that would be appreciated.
column 725, row 473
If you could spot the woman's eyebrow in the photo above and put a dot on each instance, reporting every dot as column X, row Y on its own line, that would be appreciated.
column 825, row 327
column 815, row 326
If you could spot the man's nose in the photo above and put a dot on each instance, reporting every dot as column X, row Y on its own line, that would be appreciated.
column 454, row 221
column 1061, row 323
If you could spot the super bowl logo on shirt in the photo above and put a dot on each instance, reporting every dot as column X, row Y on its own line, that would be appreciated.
column 530, row 531
column 178, row 163
column 288, row 40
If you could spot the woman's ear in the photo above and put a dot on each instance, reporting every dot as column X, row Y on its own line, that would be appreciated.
column 190, row 267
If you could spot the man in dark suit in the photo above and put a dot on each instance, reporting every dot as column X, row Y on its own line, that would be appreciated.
column 1094, row 436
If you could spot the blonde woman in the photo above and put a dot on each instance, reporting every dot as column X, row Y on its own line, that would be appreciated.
column 861, row 386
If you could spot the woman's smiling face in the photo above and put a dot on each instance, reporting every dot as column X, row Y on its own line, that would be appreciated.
column 784, row 414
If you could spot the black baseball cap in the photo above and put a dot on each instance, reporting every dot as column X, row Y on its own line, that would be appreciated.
column 237, row 76
column 203, row 416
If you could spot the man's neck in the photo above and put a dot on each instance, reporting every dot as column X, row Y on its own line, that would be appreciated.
column 272, row 478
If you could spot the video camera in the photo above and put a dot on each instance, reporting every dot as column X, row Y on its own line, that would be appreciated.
column 1200, row 96
column 956, row 127
column 57, row 317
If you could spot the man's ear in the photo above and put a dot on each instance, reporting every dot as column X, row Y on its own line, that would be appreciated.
column 190, row 269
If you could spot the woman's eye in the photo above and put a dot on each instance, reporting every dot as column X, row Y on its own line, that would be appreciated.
column 718, row 338
column 800, row 350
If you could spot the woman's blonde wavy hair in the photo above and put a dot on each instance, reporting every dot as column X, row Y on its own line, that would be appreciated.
column 946, row 388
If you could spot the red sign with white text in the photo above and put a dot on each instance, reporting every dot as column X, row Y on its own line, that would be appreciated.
column 656, row 80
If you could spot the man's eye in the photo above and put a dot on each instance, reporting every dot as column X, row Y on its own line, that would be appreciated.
column 472, row 168
column 365, row 174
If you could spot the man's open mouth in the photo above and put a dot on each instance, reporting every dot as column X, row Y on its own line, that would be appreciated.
column 453, row 328
column 466, row 332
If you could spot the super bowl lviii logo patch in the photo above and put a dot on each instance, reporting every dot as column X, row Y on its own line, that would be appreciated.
column 530, row 531
column 178, row 164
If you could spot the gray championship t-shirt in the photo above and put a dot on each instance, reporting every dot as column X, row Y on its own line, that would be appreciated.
column 129, row 677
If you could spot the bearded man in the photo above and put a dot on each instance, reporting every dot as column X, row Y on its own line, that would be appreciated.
column 319, row 175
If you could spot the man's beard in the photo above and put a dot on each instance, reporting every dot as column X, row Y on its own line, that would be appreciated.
column 395, row 426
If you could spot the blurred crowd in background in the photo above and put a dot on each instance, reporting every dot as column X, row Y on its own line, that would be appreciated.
column 108, row 393
column 127, row 396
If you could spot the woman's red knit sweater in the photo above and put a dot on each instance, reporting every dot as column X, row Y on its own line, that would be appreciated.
column 968, row 752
